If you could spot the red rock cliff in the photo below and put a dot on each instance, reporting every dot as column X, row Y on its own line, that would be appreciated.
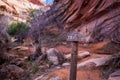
column 100, row 19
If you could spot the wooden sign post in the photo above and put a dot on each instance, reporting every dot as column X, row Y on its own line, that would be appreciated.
column 74, row 38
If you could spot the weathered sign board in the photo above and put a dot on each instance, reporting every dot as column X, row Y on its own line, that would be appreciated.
column 74, row 38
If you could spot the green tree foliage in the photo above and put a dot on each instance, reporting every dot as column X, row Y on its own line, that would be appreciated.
column 17, row 27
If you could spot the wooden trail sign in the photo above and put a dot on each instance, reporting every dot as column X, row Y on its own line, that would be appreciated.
column 74, row 38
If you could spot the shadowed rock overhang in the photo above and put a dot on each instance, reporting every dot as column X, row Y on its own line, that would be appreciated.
column 99, row 19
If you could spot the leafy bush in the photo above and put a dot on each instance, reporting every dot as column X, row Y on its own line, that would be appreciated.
column 16, row 28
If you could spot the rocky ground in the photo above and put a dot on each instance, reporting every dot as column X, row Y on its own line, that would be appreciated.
column 57, row 64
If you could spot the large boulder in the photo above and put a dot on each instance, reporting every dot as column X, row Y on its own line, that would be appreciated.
column 11, row 72
column 66, row 64
column 115, row 75
column 81, row 54
column 55, row 56
column 96, row 62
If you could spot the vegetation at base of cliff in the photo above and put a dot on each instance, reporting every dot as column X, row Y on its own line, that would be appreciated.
column 17, row 27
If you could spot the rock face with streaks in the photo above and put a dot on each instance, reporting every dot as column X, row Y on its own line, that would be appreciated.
column 18, row 10
column 98, row 19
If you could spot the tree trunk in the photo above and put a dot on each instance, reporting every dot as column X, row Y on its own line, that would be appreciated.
column 4, row 44
column 38, row 51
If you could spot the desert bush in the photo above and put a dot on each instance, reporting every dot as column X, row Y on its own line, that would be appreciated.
column 18, row 30
column 17, row 27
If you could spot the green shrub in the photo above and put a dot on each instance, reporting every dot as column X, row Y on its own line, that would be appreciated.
column 50, row 63
column 16, row 28
column 35, row 69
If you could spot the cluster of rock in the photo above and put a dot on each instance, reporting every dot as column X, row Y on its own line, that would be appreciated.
column 58, row 61
column 92, row 63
